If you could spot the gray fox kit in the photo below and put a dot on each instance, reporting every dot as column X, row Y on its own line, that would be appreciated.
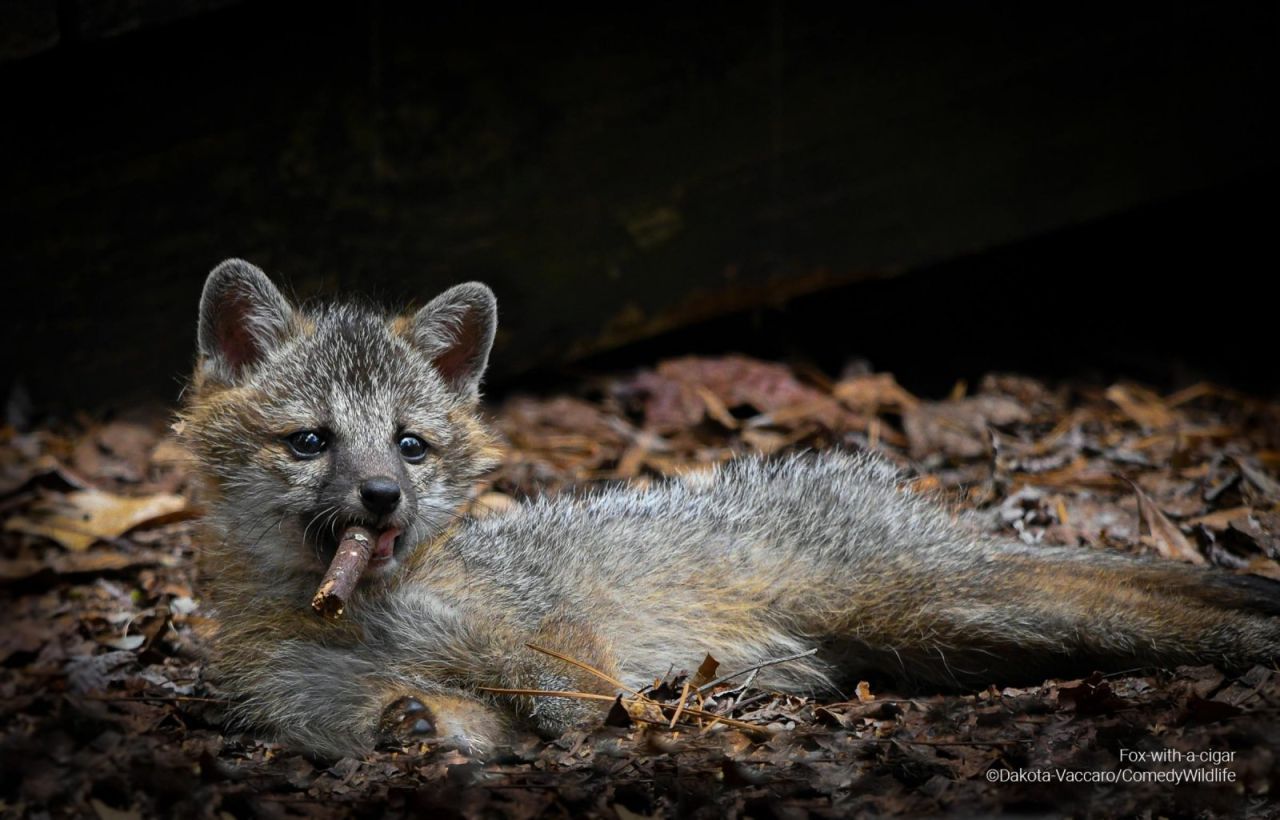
column 306, row 421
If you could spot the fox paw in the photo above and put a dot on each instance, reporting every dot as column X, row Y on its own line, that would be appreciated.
column 445, row 722
column 406, row 720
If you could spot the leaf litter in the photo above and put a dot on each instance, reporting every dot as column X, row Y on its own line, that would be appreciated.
column 105, row 710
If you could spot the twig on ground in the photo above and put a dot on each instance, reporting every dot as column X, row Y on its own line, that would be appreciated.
column 756, row 668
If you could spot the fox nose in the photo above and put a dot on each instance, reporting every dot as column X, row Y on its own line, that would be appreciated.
column 380, row 494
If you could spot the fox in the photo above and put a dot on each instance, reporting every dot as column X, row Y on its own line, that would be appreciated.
column 305, row 420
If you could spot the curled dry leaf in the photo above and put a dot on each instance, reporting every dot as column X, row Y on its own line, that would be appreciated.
column 1165, row 535
column 1258, row 478
column 958, row 427
column 81, row 563
column 874, row 393
column 682, row 392
column 1145, row 408
column 77, row 519
column 706, row 672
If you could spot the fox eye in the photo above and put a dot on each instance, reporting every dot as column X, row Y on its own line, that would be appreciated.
column 412, row 448
column 307, row 443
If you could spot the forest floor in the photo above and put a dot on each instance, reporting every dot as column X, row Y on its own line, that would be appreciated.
column 105, row 711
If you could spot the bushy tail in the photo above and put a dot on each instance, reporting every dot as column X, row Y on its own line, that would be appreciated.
column 1017, row 614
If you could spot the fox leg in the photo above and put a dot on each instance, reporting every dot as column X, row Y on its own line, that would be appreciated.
column 339, row 702
column 527, row 668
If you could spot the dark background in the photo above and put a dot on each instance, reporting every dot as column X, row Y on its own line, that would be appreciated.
column 942, row 189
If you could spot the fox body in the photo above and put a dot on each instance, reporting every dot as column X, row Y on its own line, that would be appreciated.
column 304, row 422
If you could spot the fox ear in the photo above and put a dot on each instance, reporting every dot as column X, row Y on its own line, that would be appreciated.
column 242, row 317
column 456, row 330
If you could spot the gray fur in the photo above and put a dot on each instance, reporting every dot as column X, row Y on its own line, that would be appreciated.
column 754, row 560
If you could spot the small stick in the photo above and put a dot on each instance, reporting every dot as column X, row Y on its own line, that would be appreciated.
column 354, row 550
column 708, row 687
column 684, row 694
column 556, row 693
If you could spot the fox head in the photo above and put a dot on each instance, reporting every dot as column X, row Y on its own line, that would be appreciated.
column 306, row 421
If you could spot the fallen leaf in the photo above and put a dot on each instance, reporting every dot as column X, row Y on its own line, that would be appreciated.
column 1093, row 696
column 75, row 563
column 78, row 519
column 105, row 812
column 676, row 394
column 706, row 672
column 1142, row 406
column 1268, row 485
column 93, row 673
column 1265, row 567
column 45, row 472
column 618, row 715
column 1200, row 710
column 22, row 636
column 1167, row 539
column 1221, row 519
column 958, row 427
column 873, row 394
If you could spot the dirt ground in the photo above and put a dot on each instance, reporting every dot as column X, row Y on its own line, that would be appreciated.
column 105, row 711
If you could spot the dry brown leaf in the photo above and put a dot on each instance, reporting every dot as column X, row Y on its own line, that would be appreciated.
column 1079, row 473
column 78, row 519
column 1202, row 390
column 1268, row 485
column 1266, row 567
column 958, row 427
column 864, row 692
column 631, row 462
column 675, row 393
column 1221, row 519
column 1167, row 539
column 74, row 563
column 767, row 442
column 873, row 394
column 706, row 672
column 1142, row 406
column 105, row 812
column 715, row 408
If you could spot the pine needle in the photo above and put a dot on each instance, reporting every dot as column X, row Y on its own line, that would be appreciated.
column 584, row 667
column 547, row 693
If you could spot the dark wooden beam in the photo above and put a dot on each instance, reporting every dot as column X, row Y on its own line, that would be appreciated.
column 612, row 172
